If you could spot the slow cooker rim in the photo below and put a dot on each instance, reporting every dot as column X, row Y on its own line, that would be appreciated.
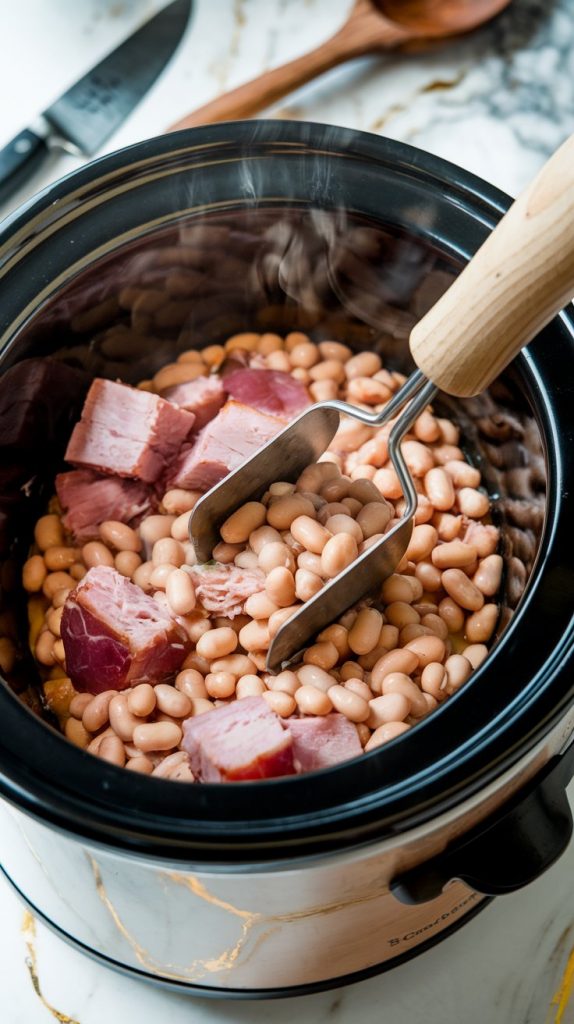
column 491, row 199
column 290, row 132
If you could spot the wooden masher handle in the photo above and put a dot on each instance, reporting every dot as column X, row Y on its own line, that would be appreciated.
column 521, row 276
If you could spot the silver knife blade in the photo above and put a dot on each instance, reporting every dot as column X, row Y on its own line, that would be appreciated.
column 91, row 110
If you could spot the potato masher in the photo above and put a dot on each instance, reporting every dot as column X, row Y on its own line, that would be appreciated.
column 521, row 276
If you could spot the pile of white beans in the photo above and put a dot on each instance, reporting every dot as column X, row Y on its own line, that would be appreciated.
column 384, row 666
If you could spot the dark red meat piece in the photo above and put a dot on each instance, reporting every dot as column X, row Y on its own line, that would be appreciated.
column 128, row 432
column 269, row 391
column 89, row 499
column 40, row 399
column 224, row 589
column 116, row 636
column 242, row 741
column 323, row 742
column 203, row 397
column 235, row 434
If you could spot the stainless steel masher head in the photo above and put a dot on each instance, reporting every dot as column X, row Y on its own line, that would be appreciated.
column 285, row 457
column 522, row 275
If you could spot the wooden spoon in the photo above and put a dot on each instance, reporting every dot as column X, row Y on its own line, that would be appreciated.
column 372, row 25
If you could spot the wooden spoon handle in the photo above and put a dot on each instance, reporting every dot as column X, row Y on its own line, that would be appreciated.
column 364, row 31
column 521, row 276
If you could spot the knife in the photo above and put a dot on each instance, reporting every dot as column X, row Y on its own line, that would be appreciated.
column 81, row 120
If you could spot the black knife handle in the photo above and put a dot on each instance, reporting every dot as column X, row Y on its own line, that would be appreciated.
column 19, row 159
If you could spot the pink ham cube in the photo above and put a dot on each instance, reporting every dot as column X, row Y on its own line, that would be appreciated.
column 235, row 434
column 203, row 396
column 323, row 742
column 128, row 432
column 242, row 741
column 89, row 499
column 115, row 636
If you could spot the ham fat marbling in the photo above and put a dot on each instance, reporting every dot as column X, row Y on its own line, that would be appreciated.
column 115, row 636
column 224, row 589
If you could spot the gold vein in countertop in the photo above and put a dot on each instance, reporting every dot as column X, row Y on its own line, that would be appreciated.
column 435, row 85
column 28, row 929
column 563, row 993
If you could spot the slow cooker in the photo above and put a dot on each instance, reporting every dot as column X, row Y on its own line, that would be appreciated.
column 303, row 883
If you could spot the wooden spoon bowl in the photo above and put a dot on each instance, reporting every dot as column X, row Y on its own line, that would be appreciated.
column 440, row 18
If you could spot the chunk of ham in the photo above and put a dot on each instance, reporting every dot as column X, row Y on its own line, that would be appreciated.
column 235, row 434
column 115, row 636
column 89, row 499
column 269, row 391
column 224, row 589
column 323, row 742
column 128, row 432
column 203, row 397
column 242, row 741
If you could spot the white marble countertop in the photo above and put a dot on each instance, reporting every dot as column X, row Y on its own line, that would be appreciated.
column 497, row 103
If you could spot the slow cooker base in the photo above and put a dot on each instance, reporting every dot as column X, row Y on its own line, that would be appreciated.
column 208, row 992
